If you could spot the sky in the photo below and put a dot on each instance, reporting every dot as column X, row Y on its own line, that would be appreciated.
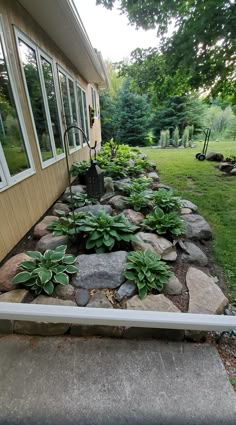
column 110, row 32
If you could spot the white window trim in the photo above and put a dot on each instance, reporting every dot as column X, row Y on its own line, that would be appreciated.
column 94, row 101
column 7, row 179
column 69, row 77
column 84, row 118
column 37, row 50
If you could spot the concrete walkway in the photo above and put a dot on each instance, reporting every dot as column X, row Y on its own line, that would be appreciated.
column 64, row 380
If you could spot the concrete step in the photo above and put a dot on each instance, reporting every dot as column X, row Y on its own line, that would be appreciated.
column 66, row 380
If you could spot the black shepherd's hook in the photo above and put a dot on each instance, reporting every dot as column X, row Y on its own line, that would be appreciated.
column 67, row 151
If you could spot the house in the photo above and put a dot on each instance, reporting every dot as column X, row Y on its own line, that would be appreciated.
column 49, row 76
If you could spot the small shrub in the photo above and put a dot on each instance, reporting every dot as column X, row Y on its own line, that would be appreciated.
column 185, row 137
column 165, row 223
column 167, row 142
column 163, row 139
column 45, row 271
column 176, row 137
column 166, row 200
column 147, row 271
column 103, row 232
column 79, row 168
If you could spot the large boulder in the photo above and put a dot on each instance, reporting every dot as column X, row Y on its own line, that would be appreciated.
column 41, row 229
column 100, row 270
column 134, row 217
column 204, row 295
column 9, row 270
column 215, row 156
column 118, row 202
column 51, row 242
column 188, row 204
column 16, row 296
column 193, row 254
column 156, row 244
column 152, row 303
column 99, row 300
column 95, row 209
column 196, row 227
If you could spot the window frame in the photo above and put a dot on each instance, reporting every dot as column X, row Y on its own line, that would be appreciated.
column 40, row 52
column 68, row 77
column 7, row 179
column 87, row 127
column 94, row 101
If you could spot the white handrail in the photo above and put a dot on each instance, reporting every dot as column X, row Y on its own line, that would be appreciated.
column 116, row 317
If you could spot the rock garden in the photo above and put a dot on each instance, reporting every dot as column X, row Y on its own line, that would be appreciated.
column 139, row 247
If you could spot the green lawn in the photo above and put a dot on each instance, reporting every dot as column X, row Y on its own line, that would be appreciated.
column 215, row 195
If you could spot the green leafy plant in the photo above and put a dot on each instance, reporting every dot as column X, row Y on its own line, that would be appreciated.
column 103, row 232
column 165, row 223
column 147, row 271
column 68, row 224
column 78, row 200
column 115, row 171
column 139, row 184
column 79, row 168
column 166, row 200
column 45, row 271
column 139, row 200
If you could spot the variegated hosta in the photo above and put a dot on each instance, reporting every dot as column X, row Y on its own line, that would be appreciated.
column 45, row 271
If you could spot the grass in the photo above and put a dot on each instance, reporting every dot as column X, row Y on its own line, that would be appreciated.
column 213, row 192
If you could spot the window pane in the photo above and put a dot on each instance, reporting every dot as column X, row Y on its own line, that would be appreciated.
column 10, row 132
column 73, row 108
column 30, row 67
column 52, row 104
column 65, row 100
column 85, row 114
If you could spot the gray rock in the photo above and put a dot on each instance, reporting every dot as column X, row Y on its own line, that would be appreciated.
column 233, row 171
column 156, row 244
column 59, row 206
column 99, row 300
column 41, row 229
column 204, row 295
column 82, row 297
column 173, row 287
column 184, row 211
column 226, row 167
column 131, row 162
column 6, row 326
column 128, row 289
column 142, row 155
column 94, row 209
column 100, row 270
column 121, row 184
column 194, row 255
column 118, row 202
column 51, row 242
column 40, row 328
column 96, row 330
column 230, row 310
column 196, row 227
column 189, row 204
column 215, row 156
column 134, row 217
column 152, row 303
column 44, row 299
column 75, row 189
column 65, row 292
column 154, row 176
column 16, row 296
column 9, row 270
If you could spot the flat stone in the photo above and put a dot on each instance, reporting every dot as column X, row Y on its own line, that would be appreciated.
column 94, row 209
column 189, row 204
column 82, row 297
column 43, row 299
column 51, row 242
column 15, row 296
column 185, row 211
column 173, row 287
column 204, row 295
column 100, row 270
column 9, row 270
column 99, row 300
column 127, row 289
column 40, row 328
column 40, row 229
column 134, row 217
column 59, row 206
column 154, row 176
column 196, row 227
column 65, row 292
column 152, row 303
column 194, row 255
column 118, row 202
column 156, row 244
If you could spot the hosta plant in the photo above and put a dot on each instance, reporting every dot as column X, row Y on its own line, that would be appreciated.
column 68, row 224
column 45, row 271
column 103, row 232
column 139, row 200
column 78, row 200
column 139, row 184
column 166, row 200
column 79, row 168
column 147, row 271
column 165, row 223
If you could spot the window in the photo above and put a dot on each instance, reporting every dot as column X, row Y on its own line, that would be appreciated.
column 83, row 110
column 15, row 157
column 68, row 95
column 94, row 101
column 39, row 80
